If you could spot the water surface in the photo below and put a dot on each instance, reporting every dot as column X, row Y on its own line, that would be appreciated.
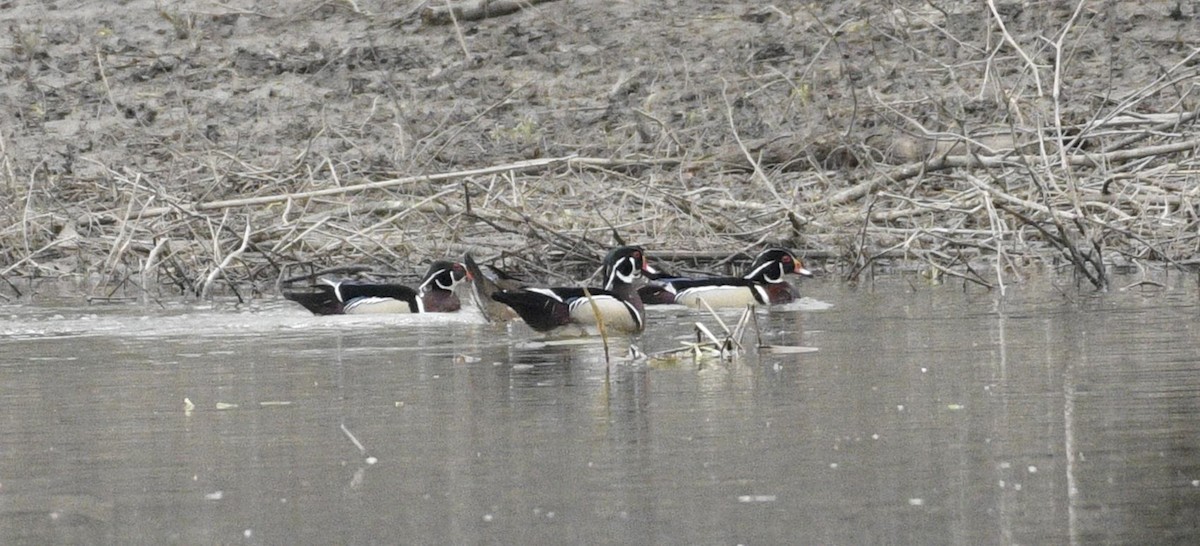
column 928, row 415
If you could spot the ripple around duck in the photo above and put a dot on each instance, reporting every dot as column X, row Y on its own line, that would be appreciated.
column 802, row 304
column 25, row 322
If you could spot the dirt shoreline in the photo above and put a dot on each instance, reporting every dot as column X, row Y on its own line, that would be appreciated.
column 197, row 147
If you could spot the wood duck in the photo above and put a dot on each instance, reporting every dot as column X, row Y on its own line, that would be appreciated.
column 434, row 295
column 485, row 283
column 762, row 284
column 618, row 304
column 656, row 292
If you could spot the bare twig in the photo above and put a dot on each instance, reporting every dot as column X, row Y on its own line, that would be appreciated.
column 220, row 269
column 1033, row 68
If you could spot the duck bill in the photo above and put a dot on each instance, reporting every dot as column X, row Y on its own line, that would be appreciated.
column 802, row 272
column 646, row 267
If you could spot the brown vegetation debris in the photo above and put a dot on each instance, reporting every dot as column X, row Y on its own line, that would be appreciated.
column 162, row 148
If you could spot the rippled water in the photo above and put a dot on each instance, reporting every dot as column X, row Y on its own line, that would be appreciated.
column 929, row 415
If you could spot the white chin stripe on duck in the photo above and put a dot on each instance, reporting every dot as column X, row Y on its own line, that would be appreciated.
column 436, row 280
column 337, row 288
column 625, row 270
column 618, row 315
column 770, row 272
column 723, row 296
column 448, row 287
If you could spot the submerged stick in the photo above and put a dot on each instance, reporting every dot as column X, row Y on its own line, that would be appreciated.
column 728, row 334
column 740, row 330
column 716, row 316
column 700, row 327
column 350, row 435
column 757, row 330
column 599, row 324
column 152, row 261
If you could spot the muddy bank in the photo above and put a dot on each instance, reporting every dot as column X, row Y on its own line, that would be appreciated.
column 167, row 149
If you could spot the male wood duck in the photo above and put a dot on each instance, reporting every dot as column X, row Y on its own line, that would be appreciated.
column 618, row 304
column 763, row 284
column 434, row 295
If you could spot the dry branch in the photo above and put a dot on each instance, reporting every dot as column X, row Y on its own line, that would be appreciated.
column 474, row 10
column 974, row 161
column 518, row 167
column 220, row 269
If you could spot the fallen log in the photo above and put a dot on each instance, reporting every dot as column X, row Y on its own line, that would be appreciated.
column 474, row 10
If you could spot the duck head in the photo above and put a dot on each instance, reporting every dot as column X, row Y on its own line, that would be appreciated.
column 773, row 263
